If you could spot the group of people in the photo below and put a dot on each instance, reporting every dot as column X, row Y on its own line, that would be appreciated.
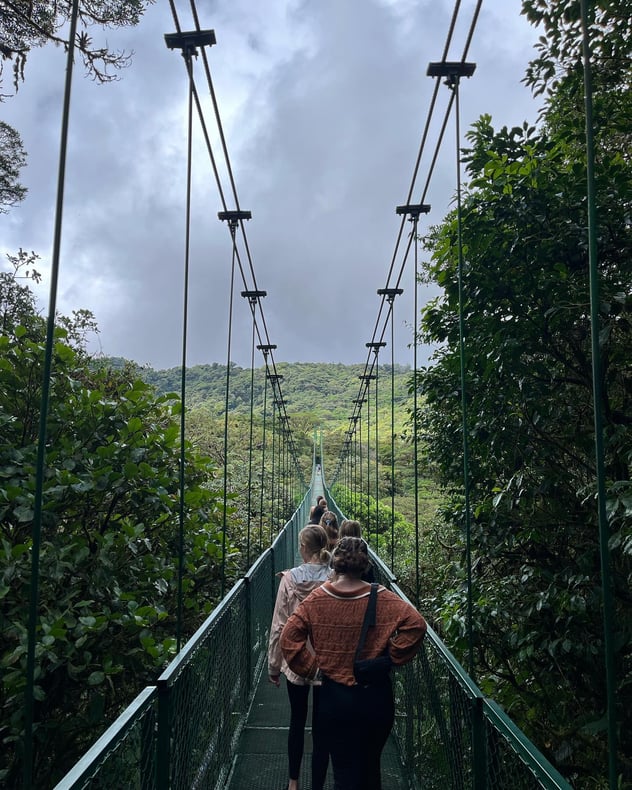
column 317, row 623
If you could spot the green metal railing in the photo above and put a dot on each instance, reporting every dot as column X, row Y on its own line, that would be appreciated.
column 183, row 732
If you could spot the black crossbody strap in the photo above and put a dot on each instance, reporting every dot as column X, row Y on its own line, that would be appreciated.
column 369, row 620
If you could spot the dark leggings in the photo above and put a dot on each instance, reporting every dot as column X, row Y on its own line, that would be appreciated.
column 299, row 697
column 357, row 722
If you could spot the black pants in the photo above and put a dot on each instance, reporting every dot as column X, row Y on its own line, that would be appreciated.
column 357, row 721
column 299, row 697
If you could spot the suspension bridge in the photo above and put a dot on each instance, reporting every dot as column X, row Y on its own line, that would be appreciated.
column 211, row 719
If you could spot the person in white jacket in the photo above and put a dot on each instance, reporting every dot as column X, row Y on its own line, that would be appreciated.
column 296, row 584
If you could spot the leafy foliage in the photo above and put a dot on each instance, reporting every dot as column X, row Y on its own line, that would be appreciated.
column 539, row 633
column 560, row 45
column 24, row 26
column 12, row 160
column 109, row 551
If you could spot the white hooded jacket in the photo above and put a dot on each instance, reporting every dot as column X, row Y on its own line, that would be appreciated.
column 296, row 584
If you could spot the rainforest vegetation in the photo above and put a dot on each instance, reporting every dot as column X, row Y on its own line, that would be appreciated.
column 110, row 518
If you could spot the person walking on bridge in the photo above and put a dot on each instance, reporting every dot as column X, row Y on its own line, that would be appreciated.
column 296, row 584
column 326, row 636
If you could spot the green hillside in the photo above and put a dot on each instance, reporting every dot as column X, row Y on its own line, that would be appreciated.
column 324, row 391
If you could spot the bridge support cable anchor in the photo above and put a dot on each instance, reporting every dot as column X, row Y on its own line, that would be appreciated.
column 189, row 41
column 389, row 294
column 253, row 297
column 233, row 218
column 453, row 72
column 413, row 211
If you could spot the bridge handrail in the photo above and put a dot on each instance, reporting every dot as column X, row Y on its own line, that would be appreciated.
column 162, row 756
column 85, row 770
column 182, row 733
column 485, row 719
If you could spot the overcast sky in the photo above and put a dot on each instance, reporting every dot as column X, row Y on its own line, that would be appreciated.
column 323, row 104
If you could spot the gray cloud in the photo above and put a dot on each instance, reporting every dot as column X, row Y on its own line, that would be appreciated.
column 323, row 105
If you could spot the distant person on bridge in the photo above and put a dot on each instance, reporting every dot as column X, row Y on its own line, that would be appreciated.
column 330, row 524
column 353, row 529
column 349, row 529
column 321, row 503
column 296, row 584
column 320, row 640
column 316, row 513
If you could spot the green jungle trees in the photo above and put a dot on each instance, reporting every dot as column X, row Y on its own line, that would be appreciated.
column 110, row 537
column 537, row 585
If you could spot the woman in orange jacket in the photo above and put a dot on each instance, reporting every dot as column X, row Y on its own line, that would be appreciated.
column 320, row 640
column 296, row 584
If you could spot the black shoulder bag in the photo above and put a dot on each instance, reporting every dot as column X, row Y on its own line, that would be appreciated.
column 370, row 671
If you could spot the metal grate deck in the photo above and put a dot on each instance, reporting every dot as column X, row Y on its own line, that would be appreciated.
column 261, row 758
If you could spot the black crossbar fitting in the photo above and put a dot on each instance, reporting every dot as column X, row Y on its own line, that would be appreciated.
column 253, row 296
column 375, row 345
column 450, row 68
column 188, row 41
column 413, row 209
column 366, row 377
column 265, row 347
column 233, row 216
column 390, row 293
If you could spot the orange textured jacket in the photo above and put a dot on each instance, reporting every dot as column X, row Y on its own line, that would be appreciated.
column 332, row 621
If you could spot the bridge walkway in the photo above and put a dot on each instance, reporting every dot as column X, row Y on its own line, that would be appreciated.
column 261, row 757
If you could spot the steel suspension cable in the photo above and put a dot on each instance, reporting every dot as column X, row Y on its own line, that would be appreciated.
column 40, row 463
column 368, row 460
column 272, row 475
column 376, row 332
column 597, row 373
column 454, row 84
column 187, row 55
column 250, row 438
column 393, row 436
column 227, row 161
column 422, row 146
column 232, row 226
column 263, row 450
column 361, row 485
column 377, row 451
column 415, row 219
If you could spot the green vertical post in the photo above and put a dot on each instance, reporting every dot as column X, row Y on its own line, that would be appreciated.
column 464, row 428
column 163, row 738
column 604, row 532
column 453, row 71
column 377, row 455
column 29, row 691
column 187, row 53
column 263, row 450
column 479, row 750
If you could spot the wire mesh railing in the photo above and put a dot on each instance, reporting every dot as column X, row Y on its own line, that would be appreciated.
column 449, row 735
column 184, row 731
